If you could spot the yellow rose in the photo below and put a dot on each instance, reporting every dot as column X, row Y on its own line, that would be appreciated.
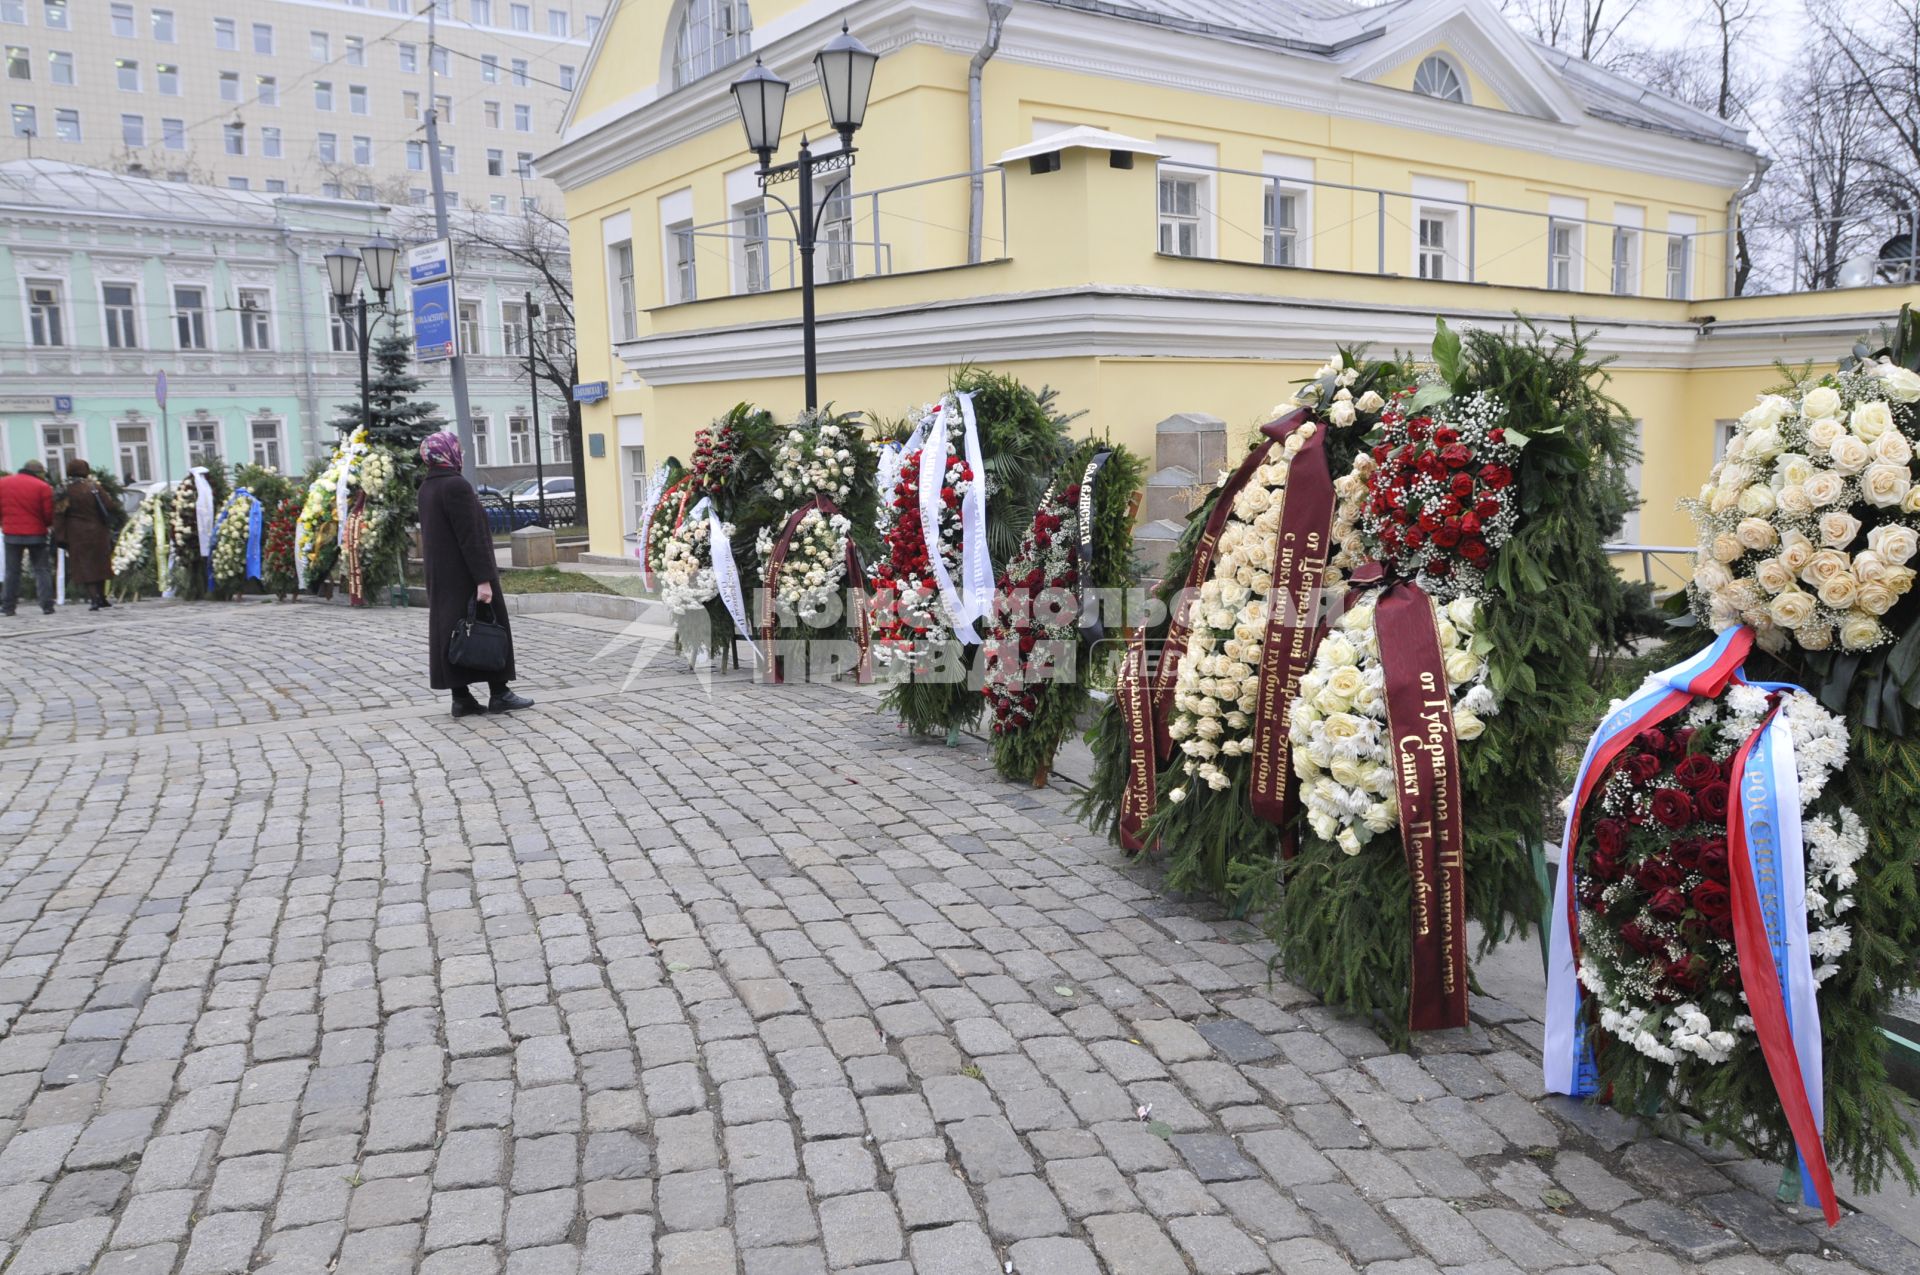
column 1894, row 543
column 1893, row 448
column 1824, row 566
column 1824, row 433
column 1793, row 501
column 1822, row 400
column 1773, row 576
column 1840, row 591
column 1791, row 609
column 1756, row 533
column 1838, row 528
column 1727, row 548
column 1824, row 487
column 1757, row 499
column 1860, row 631
column 1848, row 454
column 1875, row 598
column 1885, row 485
column 1870, row 420
column 1814, row 637
column 1467, row 725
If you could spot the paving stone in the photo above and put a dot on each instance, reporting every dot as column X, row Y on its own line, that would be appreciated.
column 1133, row 1244
column 774, row 1213
column 92, row 1193
column 1439, row 1229
column 1678, row 1230
column 932, row 1195
column 1361, row 1230
column 1236, row 1041
column 1053, row 1257
column 223, row 1244
column 859, row 1229
column 1218, row 1247
column 1521, row 1240
column 1021, row 1208
column 68, row 1248
column 952, row 1250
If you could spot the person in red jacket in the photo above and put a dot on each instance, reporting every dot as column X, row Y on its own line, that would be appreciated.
column 26, row 523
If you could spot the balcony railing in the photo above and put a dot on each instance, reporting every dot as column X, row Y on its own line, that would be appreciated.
column 919, row 225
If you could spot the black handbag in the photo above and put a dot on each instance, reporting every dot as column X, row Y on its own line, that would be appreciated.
column 479, row 645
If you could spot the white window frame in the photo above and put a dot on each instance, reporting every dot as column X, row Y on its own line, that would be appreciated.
column 191, row 330
column 342, row 332
column 226, row 35
column 61, row 450
column 59, row 63
column 256, row 322
column 519, row 438
column 276, row 441
column 713, row 34
column 272, row 142
column 48, row 322
column 1441, row 202
column 473, row 330
column 205, row 451
column 263, row 35
column 1289, row 176
column 513, row 328
column 135, row 454
column 121, row 20
column 1440, row 77
column 1681, row 227
column 482, row 440
column 64, row 115
column 166, row 79
column 122, row 322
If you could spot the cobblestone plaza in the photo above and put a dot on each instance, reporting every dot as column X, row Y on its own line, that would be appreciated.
column 298, row 974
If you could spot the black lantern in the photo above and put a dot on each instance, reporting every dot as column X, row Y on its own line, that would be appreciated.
column 846, row 78
column 762, row 98
column 343, row 273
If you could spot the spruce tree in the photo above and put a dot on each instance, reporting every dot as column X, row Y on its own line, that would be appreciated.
column 395, row 418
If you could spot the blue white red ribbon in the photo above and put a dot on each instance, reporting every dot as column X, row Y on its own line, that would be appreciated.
column 1767, row 865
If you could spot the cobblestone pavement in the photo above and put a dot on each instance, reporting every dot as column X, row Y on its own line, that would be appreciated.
column 297, row 974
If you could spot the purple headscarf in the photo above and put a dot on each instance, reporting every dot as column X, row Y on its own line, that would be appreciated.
column 441, row 449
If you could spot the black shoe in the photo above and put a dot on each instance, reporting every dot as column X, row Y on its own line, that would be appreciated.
column 93, row 604
column 46, row 610
column 9, row 613
column 104, row 604
column 466, row 706
column 507, row 703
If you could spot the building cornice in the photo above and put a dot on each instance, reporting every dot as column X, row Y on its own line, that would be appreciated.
column 1146, row 323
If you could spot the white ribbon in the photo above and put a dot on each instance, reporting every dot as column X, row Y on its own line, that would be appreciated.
column 656, row 487
column 726, row 576
column 933, row 477
column 340, row 496
column 60, row 579
column 976, row 564
column 203, row 510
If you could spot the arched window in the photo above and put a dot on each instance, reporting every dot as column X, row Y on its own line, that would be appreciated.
column 1436, row 77
column 713, row 34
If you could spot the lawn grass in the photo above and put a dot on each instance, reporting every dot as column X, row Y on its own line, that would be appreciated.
column 550, row 580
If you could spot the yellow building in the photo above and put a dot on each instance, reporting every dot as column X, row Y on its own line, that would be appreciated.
column 1166, row 207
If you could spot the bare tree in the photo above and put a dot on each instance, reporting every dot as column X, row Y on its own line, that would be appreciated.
column 1585, row 28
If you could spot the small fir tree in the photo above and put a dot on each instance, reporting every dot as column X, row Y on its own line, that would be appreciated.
column 395, row 418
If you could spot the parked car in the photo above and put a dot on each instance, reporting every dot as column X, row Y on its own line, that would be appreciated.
column 525, row 489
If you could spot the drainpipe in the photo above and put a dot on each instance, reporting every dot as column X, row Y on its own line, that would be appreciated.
column 1735, row 207
column 997, row 11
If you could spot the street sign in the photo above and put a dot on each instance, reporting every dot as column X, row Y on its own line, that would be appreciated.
column 591, row 392
column 160, row 387
column 430, row 261
column 435, row 334
column 63, row 404
column 56, row 403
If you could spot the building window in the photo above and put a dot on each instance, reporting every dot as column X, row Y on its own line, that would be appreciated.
column 173, row 134
column 683, row 276
column 519, row 441
column 362, row 150
column 620, row 265
column 329, row 190
column 448, row 164
column 229, row 86
column 357, row 99
column 1679, row 258
column 559, row 445
column 1436, row 77
column 417, row 196
column 443, row 106
column 410, row 58
column 59, row 448
column 482, row 441
column 19, row 63
column 263, row 38
column 23, row 121
column 489, row 68
column 225, row 34
column 166, row 78
column 266, row 90
column 496, row 203
column 133, row 131
column 266, row 444
column 126, row 74
column 513, row 328
column 557, row 23
column 66, row 124
column 162, row 20
column 1280, row 225
column 520, row 73
column 470, row 342
column 323, row 95
column 356, row 51
column 61, row 67
column 1562, row 253
column 270, row 142
column 346, row 337
column 239, row 183
column 442, row 62
column 190, row 318
column 14, row 12
column 520, row 17
column 417, row 157
column 491, row 112
column 523, row 164
column 119, row 15
column 1626, row 261
column 203, row 443
column 566, row 77
column 256, row 319
column 116, row 299
column 496, row 163
column 1435, row 245
column 1180, row 215
column 234, row 137
column 593, row 25
column 327, row 147
column 320, row 46
column 54, row 13
column 46, row 315
column 276, row 186
column 836, row 232
column 756, row 267
column 135, row 440
column 713, row 34
column 480, row 13
column 522, row 118
column 410, row 104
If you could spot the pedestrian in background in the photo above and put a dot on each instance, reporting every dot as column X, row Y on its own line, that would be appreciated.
column 456, row 546
column 26, row 525
column 84, row 525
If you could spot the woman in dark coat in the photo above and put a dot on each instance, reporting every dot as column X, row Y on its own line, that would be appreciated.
column 457, row 546
column 81, row 526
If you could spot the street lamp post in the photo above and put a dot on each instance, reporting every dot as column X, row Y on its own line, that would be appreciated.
column 845, row 67
column 343, row 275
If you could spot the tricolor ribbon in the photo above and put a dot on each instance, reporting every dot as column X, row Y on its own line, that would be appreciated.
column 1767, row 872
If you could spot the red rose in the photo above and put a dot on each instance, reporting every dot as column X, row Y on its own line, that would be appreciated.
column 1610, row 835
column 1440, row 567
column 1713, row 859
column 1655, row 875
column 1470, row 523
column 1643, row 766
column 1672, row 807
column 1668, row 904
column 1487, row 508
column 1653, row 740
column 1636, row 938
column 1722, row 927
column 1680, row 974
column 1605, row 866
column 1683, row 738
column 1696, row 770
column 1445, row 436
column 1462, row 486
column 1415, row 538
column 1686, row 853
column 1712, row 799
column 1473, row 549
column 1496, row 477
column 1711, row 899
column 1429, row 523
column 1447, row 537
column 1455, row 457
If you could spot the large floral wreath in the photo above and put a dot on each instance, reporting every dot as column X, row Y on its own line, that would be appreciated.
column 1037, row 617
column 686, row 568
column 910, row 623
column 133, row 549
column 230, row 541
column 822, row 486
column 317, row 537
column 815, row 566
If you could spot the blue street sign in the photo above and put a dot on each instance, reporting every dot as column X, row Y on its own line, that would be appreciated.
column 430, row 261
column 63, row 404
column 591, row 392
column 435, row 334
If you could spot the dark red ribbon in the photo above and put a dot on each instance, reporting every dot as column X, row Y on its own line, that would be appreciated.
column 1136, row 720
column 1426, row 773
column 1293, row 619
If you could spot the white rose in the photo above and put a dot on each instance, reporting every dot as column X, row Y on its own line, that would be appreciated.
column 1825, row 487
column 1338, row 651
column 1757, row 499
column 1876, row 598
column 1769, row 410
column 1727, row 548
column 1793, row 501
column 1792, row 468
column 1756, row 533
column 1822, row 400
column 1871, row 420
column 1349, row 841
column 1840, row 591
column 1346, row 771
column 1343, row 726
column 1370, row 402
column 1344, row 682
column 1838, row 528
column 1791, row 609
column 1773, row 576
column 1825, row 432
column 1463, row 612
column 1824, row 566
column 1849, row 454
column 1860, row 631
column 1884, row 485
column 1814, row 637
column 1460, row 667
column 1709, row 575
column 1893, row 542
column 1903, row 384
column 1341, row 414
column 1467, row 725
column 1893, row 448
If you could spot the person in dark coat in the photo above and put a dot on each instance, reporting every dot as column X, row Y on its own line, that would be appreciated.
column 457, row 547
column 82, row 527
